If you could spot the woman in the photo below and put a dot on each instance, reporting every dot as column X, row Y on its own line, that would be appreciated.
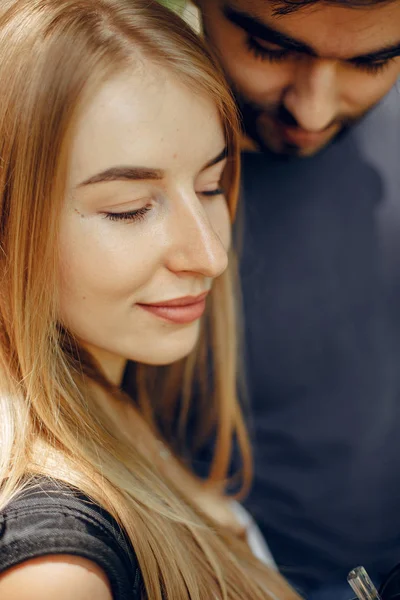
column 117, row 135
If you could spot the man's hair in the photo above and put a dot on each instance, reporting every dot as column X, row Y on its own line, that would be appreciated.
column 284, row 7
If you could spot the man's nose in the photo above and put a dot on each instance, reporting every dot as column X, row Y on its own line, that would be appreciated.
column 313, row 96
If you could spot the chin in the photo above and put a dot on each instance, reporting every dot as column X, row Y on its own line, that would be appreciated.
column 308, row 152
column 169, row 348
column 270, row 140
column 312, row 150
column 282, row 148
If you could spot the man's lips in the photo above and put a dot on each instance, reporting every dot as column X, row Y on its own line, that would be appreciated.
column 293, row 134
column 178, row 310
column 301, row 137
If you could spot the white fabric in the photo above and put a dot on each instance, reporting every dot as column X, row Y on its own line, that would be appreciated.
column 255, row 538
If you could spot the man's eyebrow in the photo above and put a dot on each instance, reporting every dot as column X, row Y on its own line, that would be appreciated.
column 124, row 174
column 257, row 28
column 254, row 26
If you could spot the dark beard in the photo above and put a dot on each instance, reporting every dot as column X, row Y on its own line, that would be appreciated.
column 250, row 114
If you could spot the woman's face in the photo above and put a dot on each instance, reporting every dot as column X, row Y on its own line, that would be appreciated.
column 145, row 227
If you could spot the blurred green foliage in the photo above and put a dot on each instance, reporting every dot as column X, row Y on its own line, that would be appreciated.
column 177, row 5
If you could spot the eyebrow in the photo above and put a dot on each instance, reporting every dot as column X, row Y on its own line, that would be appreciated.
column 220, row 157
column 124, row 174
column 257, row 28
column 140, row 173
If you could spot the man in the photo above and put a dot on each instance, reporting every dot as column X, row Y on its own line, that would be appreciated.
column 318, row 87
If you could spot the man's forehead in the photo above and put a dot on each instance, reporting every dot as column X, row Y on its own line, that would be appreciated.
column 332, row 31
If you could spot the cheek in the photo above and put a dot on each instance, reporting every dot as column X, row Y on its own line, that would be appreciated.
column 261, row 82
column 103, row 261
column 255, row 79
column 364, row 90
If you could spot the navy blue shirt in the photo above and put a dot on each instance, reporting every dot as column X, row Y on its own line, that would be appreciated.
column 321, row 285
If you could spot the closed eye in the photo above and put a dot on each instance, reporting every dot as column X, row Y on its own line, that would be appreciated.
column 280, row 54
column 211, row 193
column 371, row 67
column 128, row 216
column 259, row 51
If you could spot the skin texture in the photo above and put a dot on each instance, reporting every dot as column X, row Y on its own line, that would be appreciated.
column 295, row 101
column 61, row 577
column 176, row 245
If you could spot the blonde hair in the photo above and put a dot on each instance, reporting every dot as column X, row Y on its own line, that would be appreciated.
column 54, row 56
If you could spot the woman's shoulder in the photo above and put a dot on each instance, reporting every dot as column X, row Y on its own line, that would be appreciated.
column 50, row 519
column 63, row 577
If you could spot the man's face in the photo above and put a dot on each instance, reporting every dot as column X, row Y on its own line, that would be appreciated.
column 302, row 78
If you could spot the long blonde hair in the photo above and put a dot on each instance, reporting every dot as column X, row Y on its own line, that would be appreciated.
column 54, row 55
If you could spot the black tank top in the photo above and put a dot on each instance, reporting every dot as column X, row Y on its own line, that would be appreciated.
column 52, row 518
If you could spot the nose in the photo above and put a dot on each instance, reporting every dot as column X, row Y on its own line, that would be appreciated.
column 313, row 97
column 194, row 244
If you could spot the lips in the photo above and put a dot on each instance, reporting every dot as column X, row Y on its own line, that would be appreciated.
column 301, row 137
column 181, row 311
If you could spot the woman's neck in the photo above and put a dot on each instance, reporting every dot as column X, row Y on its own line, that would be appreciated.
column 112, row 365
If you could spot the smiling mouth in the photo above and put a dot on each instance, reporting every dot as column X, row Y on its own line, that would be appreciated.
column 180, row 310
column 294, row 135
column 302, row 137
